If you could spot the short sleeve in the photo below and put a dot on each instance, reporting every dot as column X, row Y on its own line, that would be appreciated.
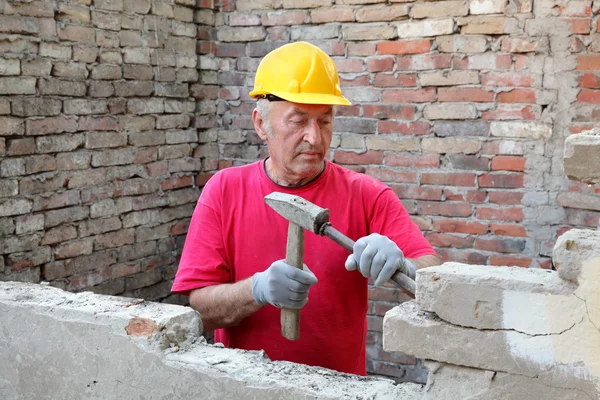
column 204, row 258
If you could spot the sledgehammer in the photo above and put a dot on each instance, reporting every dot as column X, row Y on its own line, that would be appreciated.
column 303, row 214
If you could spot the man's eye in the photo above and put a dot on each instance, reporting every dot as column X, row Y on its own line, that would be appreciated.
column 297, row 121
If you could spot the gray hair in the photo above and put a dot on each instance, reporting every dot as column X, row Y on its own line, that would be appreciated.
column 263, row 106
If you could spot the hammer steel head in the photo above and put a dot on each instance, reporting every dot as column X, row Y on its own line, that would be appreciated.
column 299, row 211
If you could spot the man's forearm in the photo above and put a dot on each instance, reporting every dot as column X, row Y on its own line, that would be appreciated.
column 224, row 305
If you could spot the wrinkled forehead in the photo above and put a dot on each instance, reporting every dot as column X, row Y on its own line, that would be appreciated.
column 286, row 108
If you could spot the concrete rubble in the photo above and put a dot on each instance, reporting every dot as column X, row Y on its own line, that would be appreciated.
column 60, row 345
column 507, row 332
column 579, row 150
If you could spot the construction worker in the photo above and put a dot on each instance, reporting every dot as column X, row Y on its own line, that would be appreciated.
column 232, row 265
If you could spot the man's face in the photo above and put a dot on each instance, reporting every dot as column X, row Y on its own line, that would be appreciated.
column 299, row 139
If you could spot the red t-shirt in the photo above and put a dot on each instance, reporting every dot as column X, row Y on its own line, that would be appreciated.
column 233, row 234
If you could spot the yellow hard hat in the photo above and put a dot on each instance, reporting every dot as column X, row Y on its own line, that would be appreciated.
column 301, row 73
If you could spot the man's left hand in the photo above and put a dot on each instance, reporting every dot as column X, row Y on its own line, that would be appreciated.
column 378, row 257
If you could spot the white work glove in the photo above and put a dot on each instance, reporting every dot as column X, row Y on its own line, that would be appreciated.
column 378, row 257
column 282, row 285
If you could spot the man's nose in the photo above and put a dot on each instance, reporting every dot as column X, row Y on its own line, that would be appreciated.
column 313, row 133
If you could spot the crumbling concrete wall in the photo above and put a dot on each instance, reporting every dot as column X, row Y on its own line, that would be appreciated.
column 60, row 345
column 507, row 331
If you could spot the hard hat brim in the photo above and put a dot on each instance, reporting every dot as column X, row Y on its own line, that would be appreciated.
column 307, row 98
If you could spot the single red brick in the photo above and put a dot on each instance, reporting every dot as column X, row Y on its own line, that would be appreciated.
column 499, row 214
column 360, row 80
column 203, row 33
column 511, row 261
column 448, row 240
column 373, row 338
column 579, row 26
column 374, row 323
column 500, row 245
column 426, row 61
column 241, row 122
column 277, row 33
column 457, row 226
column 97, row 124
column 505, row 197
column 506, row 79
column 424, row 223
column 589, row 80
column 225, row 164
column 409, row 96
column 395, row 80
column 462, row 256
column 380, row 64
column 348, row 111
column 448, row 178
column 205, row 47
column 588, row 62
column 465, row 95
column 201, row 179
column 233, row 50
column 417, row 192
column 391, row 175
column 405, row 128
column 498, row 180
column 361, row 49
column 521, row 62
column 503, row 112
column 383, row 294
column 387, row 111
column 89, row 279
column 160, row 168
column 410, row 160
column 575, row 129
column 518, row 45
column 124, row 269
column 517, row 96
column 295, row 17
column 589, row 96
column 448, row 209
column 404, row 47
column 508, row 230
column 508, row 163
column 176, row 182
column 471, row 196
column 180, row 228
column 348, row 157
column 350, row 65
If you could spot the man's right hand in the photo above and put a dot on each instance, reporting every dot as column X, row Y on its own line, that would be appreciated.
column 282, row 285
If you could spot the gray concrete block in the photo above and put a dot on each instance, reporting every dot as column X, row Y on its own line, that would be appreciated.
column 483, row 297
column 581, row 154
column 409, row 330
column 452, row 382
column 94, row 346
column 572, row 249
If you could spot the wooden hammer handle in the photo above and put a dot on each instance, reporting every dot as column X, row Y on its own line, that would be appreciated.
column 294, row 256
column 398, row 278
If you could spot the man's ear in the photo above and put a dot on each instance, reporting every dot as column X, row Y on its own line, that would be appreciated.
column 259, row 124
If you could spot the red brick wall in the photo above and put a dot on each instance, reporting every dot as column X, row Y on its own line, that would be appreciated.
column 462, row 107
column 97, row 172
